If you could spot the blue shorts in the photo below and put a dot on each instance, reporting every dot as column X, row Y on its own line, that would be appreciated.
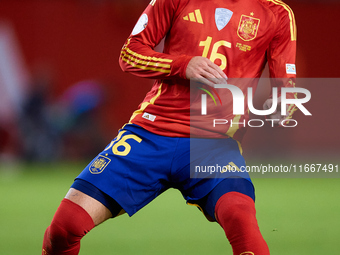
column 138, row 165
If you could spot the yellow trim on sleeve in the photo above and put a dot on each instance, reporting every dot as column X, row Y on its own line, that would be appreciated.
column 145, row 67
column 145, row 57
column 148, row 57
column 145, row 62
column 291, row 17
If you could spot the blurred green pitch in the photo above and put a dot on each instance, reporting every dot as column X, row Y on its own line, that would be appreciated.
column 296, row 217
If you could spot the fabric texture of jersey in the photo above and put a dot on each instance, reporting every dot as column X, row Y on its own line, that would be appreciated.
column 239, row 36
column 138, row 165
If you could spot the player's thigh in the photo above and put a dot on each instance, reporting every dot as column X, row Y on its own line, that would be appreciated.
column 232, row 184
column 98, row 212
column 132, row 170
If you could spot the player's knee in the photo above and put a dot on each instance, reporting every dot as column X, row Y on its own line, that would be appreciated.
column 70, row 223
column 58, row 237
column 236, row 214
column 62, row 235
column 236, row 208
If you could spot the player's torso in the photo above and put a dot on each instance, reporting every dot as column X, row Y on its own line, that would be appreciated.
column 234, row 34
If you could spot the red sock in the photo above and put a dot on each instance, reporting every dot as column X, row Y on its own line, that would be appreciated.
column 236, row 213
column 70, row 223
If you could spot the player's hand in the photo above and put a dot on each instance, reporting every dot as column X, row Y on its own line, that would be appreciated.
column 276, row 117
column 203, row 70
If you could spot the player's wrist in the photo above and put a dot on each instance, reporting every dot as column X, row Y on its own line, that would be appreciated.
column 179, row 66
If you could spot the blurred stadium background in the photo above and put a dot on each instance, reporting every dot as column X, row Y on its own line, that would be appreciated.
column 63, row 97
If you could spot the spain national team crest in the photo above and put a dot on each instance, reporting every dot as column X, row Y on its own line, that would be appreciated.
column 248, row 27
column 99, row 164
column 222, row 17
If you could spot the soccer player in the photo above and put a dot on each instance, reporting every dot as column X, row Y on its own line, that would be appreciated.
column 206, row 41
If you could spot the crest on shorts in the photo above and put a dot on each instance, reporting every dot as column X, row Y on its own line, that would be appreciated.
column 99, row 164
column 248, row 27
column 222, row 17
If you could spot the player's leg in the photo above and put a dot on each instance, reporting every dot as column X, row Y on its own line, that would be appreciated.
column 224, row 194
column 76, row 215
column 122, row 176
column 232, row 204
column 236, row 211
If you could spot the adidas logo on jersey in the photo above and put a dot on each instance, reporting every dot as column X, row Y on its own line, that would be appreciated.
column 194, row 16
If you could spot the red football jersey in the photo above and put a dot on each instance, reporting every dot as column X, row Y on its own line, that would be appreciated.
column 239, row 36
